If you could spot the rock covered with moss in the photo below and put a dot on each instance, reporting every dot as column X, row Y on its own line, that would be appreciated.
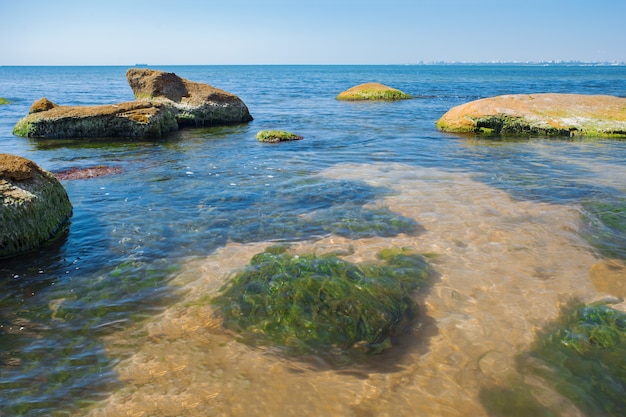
column 130, row 120
column 323, row 304
column 539, row 114
column 4, row 100
column 164, row 103
column 34, row 205
column 275, row 136
column 372, row 91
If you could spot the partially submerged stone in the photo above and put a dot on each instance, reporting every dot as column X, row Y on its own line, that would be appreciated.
column 130, row 119
column 539, row 114
column 192, row 104
column 4, row 100
column 274, row 136
column 34, row 205
column 372, row 91
column 164, row 103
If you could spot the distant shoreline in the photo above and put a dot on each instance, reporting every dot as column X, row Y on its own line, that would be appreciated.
column 420, row 63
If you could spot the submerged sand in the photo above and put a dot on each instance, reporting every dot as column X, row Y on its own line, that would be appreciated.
column 503, row 269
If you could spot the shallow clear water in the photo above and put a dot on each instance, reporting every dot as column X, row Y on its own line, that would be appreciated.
column 111, row 309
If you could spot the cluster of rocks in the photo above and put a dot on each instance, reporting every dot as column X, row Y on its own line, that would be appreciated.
column 164, row 102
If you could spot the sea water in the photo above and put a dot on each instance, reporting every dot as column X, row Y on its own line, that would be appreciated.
column 111, row 318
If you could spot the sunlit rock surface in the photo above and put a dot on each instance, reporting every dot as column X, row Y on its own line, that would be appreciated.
column 372, row 91
column 164, row 103
column 539, row 114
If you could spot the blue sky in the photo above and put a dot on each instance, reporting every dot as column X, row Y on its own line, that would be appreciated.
column 188, row 32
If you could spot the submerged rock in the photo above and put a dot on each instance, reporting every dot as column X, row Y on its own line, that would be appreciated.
column 34, row 205
column 539, row 114
column 4, row 101
column 372, row 91
column 322, row 304
column 164, row 103
column 84, row 173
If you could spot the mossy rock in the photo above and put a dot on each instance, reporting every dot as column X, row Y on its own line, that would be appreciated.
column 539, row 115
column 323, row 305
column 34, row 206
column 274, row 136
column 4, row 101
column 372, row 91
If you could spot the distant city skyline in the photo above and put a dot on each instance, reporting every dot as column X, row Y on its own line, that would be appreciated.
column 195, row 32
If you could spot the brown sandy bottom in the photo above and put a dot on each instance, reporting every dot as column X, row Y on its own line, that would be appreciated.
column 504, row 269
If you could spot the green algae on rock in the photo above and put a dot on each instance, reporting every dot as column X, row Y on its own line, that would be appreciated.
column 539, row 115
column 34, row 208
column 4, row 101
column 580, row 357
column 130, row 119
column 275, row 136
column 322, row 304
column 372, row 91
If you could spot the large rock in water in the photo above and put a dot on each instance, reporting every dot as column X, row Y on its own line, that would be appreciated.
column 192, row 103
column 164, row 103
column 132, row 119
column 34, row 205
column 539, row 114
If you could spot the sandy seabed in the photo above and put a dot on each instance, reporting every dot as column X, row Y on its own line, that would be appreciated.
column 503, row 270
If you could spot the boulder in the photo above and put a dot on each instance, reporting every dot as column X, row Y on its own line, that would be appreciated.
column 539, row 114
column 164, row 102
column 130, row 119
column 193, row 104
column 372, row 91
column 34, row 205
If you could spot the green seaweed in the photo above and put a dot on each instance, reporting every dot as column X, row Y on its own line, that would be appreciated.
column 580, row 356
column 501, row 124
column 583, row 359
column 323, row 305
column 4, row 101
column 357, row 222
column 273, row 136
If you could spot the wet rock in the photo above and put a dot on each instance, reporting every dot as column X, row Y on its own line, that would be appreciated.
column 34, row 205
column 539, row 114
column 192, row 103
column 274, row 136
column 131, row 120
column 372, row 91
column 164, row 103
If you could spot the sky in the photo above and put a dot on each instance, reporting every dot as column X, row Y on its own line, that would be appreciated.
column 210, row 32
